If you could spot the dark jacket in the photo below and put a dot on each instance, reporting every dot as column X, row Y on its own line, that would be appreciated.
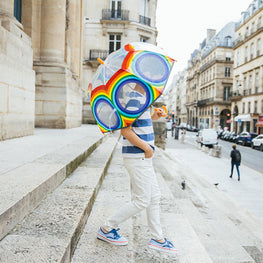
column 236, row 156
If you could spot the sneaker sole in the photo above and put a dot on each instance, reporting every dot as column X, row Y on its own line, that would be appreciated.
column 116, row 243
column 163, row 249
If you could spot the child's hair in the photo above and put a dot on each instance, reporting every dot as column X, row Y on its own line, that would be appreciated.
column 234, row 146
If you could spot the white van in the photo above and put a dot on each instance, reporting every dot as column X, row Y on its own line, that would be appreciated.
column 207, row 137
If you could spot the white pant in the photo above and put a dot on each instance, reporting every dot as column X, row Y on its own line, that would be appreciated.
column 145, row 194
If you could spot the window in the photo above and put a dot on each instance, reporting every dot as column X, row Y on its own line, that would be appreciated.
column 116, row 8
column 246, row 34
column 226, row 93
column 256, row 107
column 243, row 107
column 114, row 42
column 246, row 54
column 259, row 22
column 250, row 84
column 228, row 41
column 253, row 28
column 227, row 71
column 256, row 82
column 143, row 39
column 245, row 86
column 258, row 47
column 17, row 10
column 228, row 56
column 252, row 51
column 238, row 58
column 249, row 106
column 144, row 8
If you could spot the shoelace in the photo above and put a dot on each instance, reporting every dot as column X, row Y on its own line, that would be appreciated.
column 115, row 233
column 168, row 244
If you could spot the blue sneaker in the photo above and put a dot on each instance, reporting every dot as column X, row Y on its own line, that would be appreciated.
column 112, row 237
column 167, row 246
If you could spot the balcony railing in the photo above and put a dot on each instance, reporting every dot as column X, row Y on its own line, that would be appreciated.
column 98, row 53
column 110, row 14
column 145, row 20
column 204, row 102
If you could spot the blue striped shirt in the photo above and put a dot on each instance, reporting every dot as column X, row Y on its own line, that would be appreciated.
column 142, row 127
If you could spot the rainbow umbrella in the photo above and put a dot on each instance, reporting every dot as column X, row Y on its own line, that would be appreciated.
column 138, row 70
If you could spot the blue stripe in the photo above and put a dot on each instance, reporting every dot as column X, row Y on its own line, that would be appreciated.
column 133, row 94
column 133, row 149
column 142, row 123
column 134, row 104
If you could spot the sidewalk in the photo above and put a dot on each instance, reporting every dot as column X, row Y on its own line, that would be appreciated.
column 247, row 192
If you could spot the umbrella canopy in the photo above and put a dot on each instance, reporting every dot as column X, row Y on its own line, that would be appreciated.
column 138, row 70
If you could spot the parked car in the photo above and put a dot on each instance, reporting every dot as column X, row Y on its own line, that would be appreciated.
column 245, row 138
column 257, row 142
column 232, row 137
column 194, row 129
column 224, row 135
column 207, row 137
column 183, row 125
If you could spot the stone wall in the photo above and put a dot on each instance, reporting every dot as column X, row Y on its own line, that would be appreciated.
column 17, row 79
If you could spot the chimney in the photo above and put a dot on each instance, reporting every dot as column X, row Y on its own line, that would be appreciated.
column 209, row 34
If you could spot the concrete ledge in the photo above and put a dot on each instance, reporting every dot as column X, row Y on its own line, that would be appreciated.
column 51, row 232
column 23, row 188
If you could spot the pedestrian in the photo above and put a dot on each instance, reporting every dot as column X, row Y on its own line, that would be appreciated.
column 138, row 150
column 183, row 135
column 235, row 160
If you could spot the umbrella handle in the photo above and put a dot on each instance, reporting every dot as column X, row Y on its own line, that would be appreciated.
column 164, row 109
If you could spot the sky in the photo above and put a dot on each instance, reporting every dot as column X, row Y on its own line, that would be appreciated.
column 182, row 24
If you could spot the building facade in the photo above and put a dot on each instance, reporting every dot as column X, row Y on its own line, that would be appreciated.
column 210, row 80
column 109, row 25
column 40, row 66
column 247, row 92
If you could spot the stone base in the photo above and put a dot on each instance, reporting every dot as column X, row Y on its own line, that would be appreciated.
column 87, row 116
column 58, row 97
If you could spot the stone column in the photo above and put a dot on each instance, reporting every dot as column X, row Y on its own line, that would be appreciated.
column 58, row 93
column 53, row 23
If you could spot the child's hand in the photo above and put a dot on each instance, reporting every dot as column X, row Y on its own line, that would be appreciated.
column 159, row 112
column 149, row 152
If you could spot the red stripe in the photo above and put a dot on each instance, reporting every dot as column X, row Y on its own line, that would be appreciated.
column 112, row 240
column 163, row 247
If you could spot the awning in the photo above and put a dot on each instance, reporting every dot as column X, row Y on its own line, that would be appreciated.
column 243, row 117
column 259, row 124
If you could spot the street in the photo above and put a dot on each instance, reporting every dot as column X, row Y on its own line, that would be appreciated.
column 250, row 157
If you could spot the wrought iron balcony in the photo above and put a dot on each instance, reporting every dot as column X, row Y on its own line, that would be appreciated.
column 204, row 102
column 145, row 20
column 111, row 14
column 98, row 53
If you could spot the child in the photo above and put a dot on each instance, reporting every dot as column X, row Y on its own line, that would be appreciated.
column 138, row 150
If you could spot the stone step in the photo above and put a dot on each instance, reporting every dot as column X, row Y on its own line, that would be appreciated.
column 50, row 233
column 114, row 192
column 203, row 208
column 25, row 186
